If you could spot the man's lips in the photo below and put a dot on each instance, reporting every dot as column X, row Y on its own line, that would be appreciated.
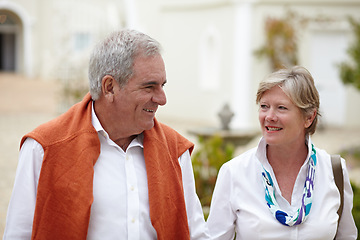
column 148, row 110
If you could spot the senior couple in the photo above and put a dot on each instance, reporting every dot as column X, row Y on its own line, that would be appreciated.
column 107, row 169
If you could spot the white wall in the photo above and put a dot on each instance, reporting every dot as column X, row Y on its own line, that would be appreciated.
column 323, row 41
column 197, row 43
column 208, row 46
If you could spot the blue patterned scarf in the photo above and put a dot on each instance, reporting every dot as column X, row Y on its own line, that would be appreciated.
column 306, row 201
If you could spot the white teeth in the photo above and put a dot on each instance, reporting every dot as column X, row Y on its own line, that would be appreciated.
column 273, row 129
column 148, row 110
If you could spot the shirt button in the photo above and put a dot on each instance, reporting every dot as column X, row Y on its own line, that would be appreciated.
column 127, row 158
column 132, row 188
column 133, row 220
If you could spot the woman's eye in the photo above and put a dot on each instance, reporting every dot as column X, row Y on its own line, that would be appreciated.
column 263, row 106
column 282, row 108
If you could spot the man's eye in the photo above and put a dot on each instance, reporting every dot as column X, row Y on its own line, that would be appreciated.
column 282, row 107
column 263, row 106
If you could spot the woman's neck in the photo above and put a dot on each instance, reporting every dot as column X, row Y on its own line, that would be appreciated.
column 287, row 155
column 286, row 163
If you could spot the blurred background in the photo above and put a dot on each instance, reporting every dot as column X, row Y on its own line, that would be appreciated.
column 215, row 52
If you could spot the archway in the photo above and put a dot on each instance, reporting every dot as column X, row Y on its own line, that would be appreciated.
column 15, row 39
column 10, row 31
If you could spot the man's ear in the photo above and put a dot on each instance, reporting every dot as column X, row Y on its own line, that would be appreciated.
column 107, row 87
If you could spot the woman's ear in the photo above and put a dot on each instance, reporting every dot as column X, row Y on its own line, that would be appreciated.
column 310, row 118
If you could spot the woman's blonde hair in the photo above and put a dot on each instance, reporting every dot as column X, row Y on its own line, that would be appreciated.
column 298, row 84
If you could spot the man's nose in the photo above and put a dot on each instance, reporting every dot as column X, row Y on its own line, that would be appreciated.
column 159, row 97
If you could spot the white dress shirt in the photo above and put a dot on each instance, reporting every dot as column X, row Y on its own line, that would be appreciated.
column 239, row 205
column 121, row 205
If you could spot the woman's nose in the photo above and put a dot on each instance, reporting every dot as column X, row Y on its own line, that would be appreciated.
column 271, row 115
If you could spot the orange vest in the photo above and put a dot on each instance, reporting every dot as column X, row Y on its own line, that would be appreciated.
column 65, row 189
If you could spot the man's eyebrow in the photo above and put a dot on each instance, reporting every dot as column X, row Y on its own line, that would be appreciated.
column 153, row 83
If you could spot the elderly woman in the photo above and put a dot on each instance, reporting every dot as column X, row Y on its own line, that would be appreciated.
column 284, row 188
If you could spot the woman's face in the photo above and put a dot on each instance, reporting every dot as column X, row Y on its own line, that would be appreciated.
column 282, row 123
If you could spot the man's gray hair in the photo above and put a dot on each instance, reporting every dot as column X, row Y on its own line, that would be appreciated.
column 115, row 56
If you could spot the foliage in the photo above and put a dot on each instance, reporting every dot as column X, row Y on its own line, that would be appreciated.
column 352, row 156
column 74, row 83
column 74, row 92
column 350, row 71
column 356, row 206
column 212, row 154
column 281, row 42
column 282, row 36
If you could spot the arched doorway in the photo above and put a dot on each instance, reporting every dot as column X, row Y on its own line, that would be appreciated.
column 19, row 24
column 10, row 33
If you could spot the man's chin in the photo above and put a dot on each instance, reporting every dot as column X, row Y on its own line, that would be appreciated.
column 149, row 125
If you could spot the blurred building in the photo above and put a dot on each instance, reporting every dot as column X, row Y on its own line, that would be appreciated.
column 208, row 48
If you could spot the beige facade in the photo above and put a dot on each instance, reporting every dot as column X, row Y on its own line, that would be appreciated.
column 208, row 49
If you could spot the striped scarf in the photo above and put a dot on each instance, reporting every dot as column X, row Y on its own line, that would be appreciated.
column 306, row 201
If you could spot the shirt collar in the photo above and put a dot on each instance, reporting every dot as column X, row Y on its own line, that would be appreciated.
column 261, row 150
column 138, row 141
column 95, row 121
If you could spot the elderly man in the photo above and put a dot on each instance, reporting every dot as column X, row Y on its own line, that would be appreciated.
column 107, row 169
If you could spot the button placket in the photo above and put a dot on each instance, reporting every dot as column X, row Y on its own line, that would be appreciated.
column 133, row 198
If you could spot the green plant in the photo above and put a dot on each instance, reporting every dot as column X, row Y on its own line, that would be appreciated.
column 350, row 70
column 352, row 156
column 74, row 85
column 280, row 42
column 74, row 92
column 212, row 154
column 281, row 38
column 356, row 206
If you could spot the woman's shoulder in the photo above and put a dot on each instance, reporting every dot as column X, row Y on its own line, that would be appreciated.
column 322, row 155
column 324, row 158
column 325, row 162
column 242, row 161
column 241, row 171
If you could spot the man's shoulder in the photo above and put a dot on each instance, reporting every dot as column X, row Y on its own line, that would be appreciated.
column 163, row 130
column 168, row 130
column 167, row 137
column 76, row 119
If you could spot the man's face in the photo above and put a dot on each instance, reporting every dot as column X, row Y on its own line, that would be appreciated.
column 136, row 103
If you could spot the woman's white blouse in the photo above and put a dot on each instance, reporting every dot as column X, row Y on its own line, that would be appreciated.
column 238, row 203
